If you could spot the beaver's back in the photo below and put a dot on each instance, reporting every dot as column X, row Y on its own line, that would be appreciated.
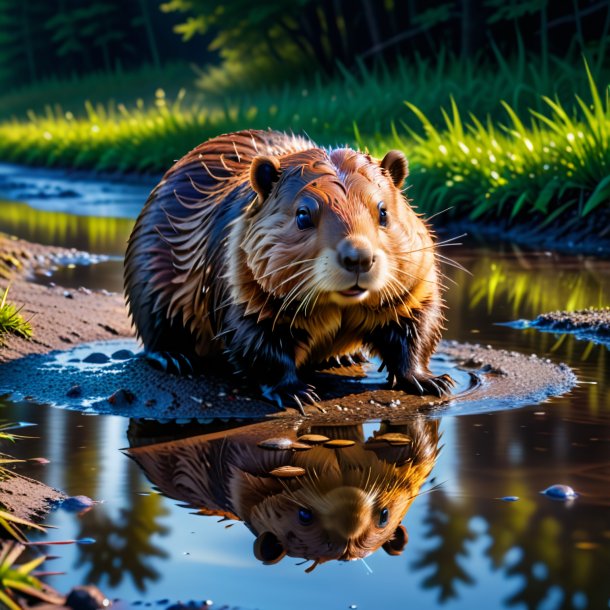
column 176, row 256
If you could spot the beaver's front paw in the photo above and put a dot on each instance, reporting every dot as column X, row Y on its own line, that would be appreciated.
column 170, row 362
column 293, row 394
column 421, row 384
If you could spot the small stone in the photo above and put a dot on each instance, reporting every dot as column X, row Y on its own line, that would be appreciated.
column 276, row 443
column 96, row 358
column 300, row 446
column 122, row 354
column 87, row 598
column 313, row 439
column 77, row 503
column 122, row 398
column 395, row 438
column 285, row 472
column 68, row 294
column 75, row 391
column 339, row 443
column 560, row 492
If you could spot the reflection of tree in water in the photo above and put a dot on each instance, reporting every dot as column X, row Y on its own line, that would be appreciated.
column 544, row 558
column 554, row 554
column 124, row 544
column 452, row 532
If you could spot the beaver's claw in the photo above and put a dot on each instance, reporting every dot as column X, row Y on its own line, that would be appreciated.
column 422, row 384
column 291, row 395
column 170, row 362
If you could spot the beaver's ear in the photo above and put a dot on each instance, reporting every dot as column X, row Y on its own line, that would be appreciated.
column 264, row 172
column 397, row 543
column 397, row 166
column 268, row 549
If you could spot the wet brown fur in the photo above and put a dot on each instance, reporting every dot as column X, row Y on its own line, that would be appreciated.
column 209, row 252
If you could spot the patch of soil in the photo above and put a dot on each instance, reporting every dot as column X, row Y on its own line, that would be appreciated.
column 60, row 318
column 26, row 498
column 592, row 321
column 590, row 324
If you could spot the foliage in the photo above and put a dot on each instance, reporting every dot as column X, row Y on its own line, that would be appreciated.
column 70, row 94
column 332, row 32
column 11, row 321
column 20, row 579
column 64, row 38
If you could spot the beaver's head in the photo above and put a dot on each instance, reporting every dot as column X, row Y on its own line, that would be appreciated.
column 330, row 227
column 349, row 503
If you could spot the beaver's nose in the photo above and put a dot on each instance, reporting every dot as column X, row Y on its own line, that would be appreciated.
column 355, row 255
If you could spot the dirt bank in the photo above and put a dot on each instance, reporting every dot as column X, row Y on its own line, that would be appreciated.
column 590, row 324
column 60, row 318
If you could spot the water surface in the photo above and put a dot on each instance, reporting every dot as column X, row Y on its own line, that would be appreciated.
column 467, row 548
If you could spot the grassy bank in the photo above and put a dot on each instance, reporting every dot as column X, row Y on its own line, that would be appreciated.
column 539, row 166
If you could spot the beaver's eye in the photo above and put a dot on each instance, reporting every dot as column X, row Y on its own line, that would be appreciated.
column 384, row 517
column 304, row 220
column 383, row 214
column 305, row 516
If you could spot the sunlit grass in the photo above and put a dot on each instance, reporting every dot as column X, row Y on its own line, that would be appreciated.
column 11, row 321
column 555, row 166
column 548, row 168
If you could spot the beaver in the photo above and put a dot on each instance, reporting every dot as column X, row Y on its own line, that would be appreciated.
column 279, row 255
column 342, row 502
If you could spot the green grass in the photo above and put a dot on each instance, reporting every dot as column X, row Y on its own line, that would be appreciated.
column 541, row 165
column 17, row 580
column 120, row 85
column 11, row 321
column 554, row 166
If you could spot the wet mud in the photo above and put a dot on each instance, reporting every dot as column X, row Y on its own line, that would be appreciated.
column 108, row 378
column 589, row 324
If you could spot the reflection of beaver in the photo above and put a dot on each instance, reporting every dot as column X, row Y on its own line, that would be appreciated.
column 282, row 255
column 348, row 501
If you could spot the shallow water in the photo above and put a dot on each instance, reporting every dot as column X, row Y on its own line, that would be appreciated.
column 466, row 547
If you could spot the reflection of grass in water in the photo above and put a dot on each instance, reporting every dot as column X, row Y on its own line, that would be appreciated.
column 11, row 321
column 556, row 290
column 94, row 234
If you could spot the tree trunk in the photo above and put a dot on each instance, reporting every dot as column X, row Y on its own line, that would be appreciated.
column 466, row 50
column 27, row 41
column 334, row 35
column 150, row 34
column 371, row 19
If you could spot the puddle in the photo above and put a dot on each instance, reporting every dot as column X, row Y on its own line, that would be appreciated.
column 107, row 378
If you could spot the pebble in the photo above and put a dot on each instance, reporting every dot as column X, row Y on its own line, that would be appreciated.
column 75, row 391
column 312, row 438
column 285, row 472
column 560, row 492
column 96, row 358
column 275, row 443
column 122, row 398
column 339, row 443
column 77, row 503
column 122, row 354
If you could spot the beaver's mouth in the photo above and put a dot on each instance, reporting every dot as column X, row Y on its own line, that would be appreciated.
column 353, row 292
